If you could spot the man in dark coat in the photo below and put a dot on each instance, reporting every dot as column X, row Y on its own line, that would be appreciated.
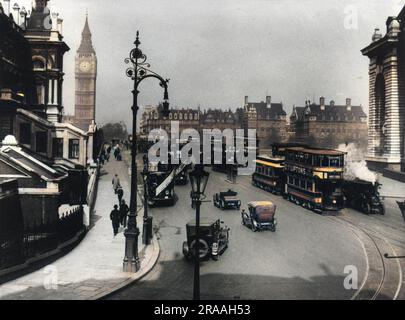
column 120, row 193
column 124, row 213
column 115, row 219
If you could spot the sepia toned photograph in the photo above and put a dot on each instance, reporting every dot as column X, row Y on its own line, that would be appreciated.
column 222, row 151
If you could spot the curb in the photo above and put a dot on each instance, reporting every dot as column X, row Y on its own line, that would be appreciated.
column 148, row 267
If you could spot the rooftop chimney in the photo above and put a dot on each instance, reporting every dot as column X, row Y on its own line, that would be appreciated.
column 23, row 16
column 55, row 21
column 349, row 104
column 377, row 35
column 332, row 103
column 246, row 100
column 16, row 13
column 322, row 103
column 6, row 7
column 60, row 22
column 268, row 101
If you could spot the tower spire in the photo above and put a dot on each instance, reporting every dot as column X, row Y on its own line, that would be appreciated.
column 86, row 45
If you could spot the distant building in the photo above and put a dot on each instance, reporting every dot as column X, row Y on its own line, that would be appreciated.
column 220, row 119
column 322, row 125
column 153, row 118
column 386, row 138
column 86, row 76
column 270, row 122
column 268, row 118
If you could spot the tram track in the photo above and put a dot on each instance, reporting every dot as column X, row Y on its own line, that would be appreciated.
column 383, row 280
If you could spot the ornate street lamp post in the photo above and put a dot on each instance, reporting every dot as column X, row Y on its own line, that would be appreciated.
column 137, row 72
column 199, row 179
column 147, row 220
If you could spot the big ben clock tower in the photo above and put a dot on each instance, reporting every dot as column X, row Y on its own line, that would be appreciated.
column 86, row 75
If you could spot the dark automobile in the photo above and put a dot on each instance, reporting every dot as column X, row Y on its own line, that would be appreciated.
column 363, row 196
column 181, row 178
column 260, row 216
column 226, row 200
column 214, row 239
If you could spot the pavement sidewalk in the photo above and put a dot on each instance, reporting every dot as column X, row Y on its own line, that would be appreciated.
column 94, row 268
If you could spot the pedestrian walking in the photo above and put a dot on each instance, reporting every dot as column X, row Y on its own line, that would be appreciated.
column 120, row 193
column 102, row 158
column 124, row 209
column 108, row 153
column 115, row 219
column 116, row 183
column 117, row 152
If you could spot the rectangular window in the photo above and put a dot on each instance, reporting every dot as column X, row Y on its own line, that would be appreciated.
column 73, row 148
column 57, row 147
column 334, row 162
column 25, row 133
column 41, row 140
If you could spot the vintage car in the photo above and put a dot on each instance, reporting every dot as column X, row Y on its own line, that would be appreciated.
column 226, row 200
column 214, row 239
column 260, row 216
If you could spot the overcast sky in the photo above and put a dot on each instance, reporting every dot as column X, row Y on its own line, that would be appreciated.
column 217, row 51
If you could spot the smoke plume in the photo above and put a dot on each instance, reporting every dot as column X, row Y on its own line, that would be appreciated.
column 355, row 165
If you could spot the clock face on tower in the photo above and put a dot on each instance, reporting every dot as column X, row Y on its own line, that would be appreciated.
column 85, row 66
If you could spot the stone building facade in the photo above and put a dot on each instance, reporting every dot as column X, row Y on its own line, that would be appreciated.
column 37, row 149
column 328, row 125
column 153, row 118
column 268, row 118
column 386, row 140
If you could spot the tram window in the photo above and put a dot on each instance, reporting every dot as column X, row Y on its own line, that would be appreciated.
column 325, row 162
column 309, row 185
column 302, row 184
column 334, row 162
column 296, row 182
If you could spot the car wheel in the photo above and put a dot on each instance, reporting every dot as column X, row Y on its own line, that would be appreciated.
column 186, row 250
column 204, row 249
column 367, row 208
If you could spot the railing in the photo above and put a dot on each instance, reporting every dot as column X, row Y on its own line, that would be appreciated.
column 41, row 238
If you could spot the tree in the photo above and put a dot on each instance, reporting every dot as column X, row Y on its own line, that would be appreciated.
column 112, row 131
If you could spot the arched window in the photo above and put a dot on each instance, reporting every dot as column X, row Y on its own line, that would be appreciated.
column 180, row 116
column 38, row 64
column 380, row 101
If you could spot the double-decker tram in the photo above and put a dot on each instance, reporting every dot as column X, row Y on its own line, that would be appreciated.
column 314, row 178
column 269, row 174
